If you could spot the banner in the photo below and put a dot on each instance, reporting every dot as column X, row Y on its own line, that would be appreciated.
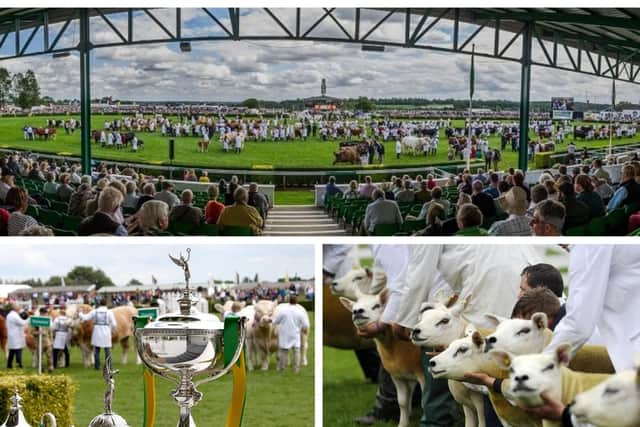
column 562, row 115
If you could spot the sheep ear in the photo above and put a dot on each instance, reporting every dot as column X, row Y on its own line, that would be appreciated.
column 426, row 306
column 502, row 358
column 540, row 320
column 347, row 303
column 219, row 308
column 451, row 300
column 477, row 339
column 440, row 296
column 493, row 319
column 563, row 354
column 384, row 296
column 378, row 280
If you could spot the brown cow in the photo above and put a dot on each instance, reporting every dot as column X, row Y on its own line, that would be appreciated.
column 347, row 154
column 203, row 145
column 81, row 332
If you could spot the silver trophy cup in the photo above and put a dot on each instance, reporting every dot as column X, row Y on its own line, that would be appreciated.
column 186, row 348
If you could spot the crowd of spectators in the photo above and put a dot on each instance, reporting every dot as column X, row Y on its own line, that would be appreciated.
column 497, row 204
column 121, row 201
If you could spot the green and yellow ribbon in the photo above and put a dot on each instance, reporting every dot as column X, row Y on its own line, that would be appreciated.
column 239, row 371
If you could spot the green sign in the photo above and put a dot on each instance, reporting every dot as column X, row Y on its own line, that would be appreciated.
column 148, row 312
column 40, row 321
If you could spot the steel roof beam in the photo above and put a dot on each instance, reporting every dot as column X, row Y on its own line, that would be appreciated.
column 567, row 18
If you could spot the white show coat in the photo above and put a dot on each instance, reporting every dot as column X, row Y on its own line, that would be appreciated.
column 490, row 274
column 103, row 324
column 604, row 292
column 393, row 260
column 15, row 330
column 336, row 259
column 291, row 318
column 61, row 326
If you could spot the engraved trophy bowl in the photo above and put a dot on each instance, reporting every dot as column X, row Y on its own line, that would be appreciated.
column 184, row 345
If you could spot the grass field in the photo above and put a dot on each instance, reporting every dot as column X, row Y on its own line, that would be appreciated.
column 311, row 154
column 273, row 399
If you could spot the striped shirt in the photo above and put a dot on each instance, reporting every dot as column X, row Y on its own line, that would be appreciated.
column 18, row 222
column 515, row 225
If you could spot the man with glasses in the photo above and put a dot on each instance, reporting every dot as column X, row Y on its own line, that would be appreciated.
column 548, row 219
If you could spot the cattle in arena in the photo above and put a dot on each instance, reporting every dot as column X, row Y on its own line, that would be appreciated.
column 81, row 331
column 430, row 132
column 347, row 154
column 203, row 145
column 544, row 147
column 45, row 133
column 545, row 133
column 582, row 132
column 412, row 144
column 400, row 358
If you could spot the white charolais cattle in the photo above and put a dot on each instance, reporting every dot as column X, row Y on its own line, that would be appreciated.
column 400, row 358
column 412, row 144
column 613, row 403
column 248, row 312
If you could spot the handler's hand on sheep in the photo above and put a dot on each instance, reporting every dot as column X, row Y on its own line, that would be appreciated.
column 479, row 378
column 551, row 409
column 371, row 330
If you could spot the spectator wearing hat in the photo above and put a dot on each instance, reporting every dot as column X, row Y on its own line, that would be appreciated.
column 515, row 203
column 292, row 321
column 548, row 218
column 167, row 195
column 576, row 212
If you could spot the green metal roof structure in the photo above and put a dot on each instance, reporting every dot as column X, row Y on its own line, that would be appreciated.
column 603, row 42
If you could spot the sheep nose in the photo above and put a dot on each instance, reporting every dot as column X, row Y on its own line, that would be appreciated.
column 522, row 378
column 358, row 311
column 432, row 363
column 492, row 340
column 415, row 332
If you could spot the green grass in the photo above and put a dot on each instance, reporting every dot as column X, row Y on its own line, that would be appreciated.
column 274, row 399
column 295, row 197
column 311, row 154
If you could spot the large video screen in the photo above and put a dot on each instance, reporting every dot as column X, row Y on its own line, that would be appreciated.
column 561, row 104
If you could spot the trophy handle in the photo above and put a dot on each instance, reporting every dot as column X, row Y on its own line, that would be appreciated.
column 236, row 355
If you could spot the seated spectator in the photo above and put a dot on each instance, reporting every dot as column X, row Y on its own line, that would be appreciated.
column 213, row 208
column 483, row 200
column 106, row 218
column 552, row 189
column 381, row 211
column 406, row 195
column 51, row 186
column 436, row 197
column 37, row 231
column 17, row 198
column 465, row 185
column 431, row 183
column 367, row 188
column 4, row 221
column 480, row 176
column 229, row 196
column 604, row 190
column 548, row 218
column 586, row 194
column 538, row 194
column 79, row 199
column 450, row 226
column 258, row 201
column 576, row 212
column 515, row 203
column 518, row 181
column 424, row 194
column 353, row 192
column 599, row 172
column 469, row 220
column 151, row 219
column 396, row 187
column 7, row 183
column 131, row 199
column 434, row 221
column 331, row 189
column 167, row 195
column 240, row 214
column 492, row 190
column 386, row 189
column 204, row 177
column 186, row 213
column 629, row 190
column 148, row 193
column 65, row 190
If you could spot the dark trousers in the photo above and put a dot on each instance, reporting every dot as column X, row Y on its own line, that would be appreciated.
column 96, row 355
column 439, row 407
column 369, row 361
column 490, row 417
column 56, row 353
column 386, row 396
column 17, row 354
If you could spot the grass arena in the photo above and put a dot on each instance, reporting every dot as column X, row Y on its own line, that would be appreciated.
column 297, row 154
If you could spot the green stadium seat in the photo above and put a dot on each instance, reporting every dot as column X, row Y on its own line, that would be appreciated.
column 635, row 233
column 577, row 231
column 59, row 206
column 229, row 230
column 597, row 227
column 62, row 232
column 33, row 212
column 386, row 229
column 50, row 217
column 128, row 211
column 207, row 230
column 617, row 221
column 71, row 222
column 181, row 228
column 410, row 226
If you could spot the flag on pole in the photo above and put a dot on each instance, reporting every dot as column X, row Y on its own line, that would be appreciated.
column 472, row 72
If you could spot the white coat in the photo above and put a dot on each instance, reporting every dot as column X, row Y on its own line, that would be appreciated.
column 604, row 292
column 103, row 324
column 393, row 260
column 292, row 319
column 60, row 326
column 15, row 330
column 489, row 274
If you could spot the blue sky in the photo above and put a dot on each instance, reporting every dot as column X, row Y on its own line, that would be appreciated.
column 233, row 71
column 123, row 261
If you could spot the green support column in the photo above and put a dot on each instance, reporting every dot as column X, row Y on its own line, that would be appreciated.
column 85, row 93
column 525, row 80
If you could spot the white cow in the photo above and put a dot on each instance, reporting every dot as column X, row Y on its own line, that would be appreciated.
column 412, row 144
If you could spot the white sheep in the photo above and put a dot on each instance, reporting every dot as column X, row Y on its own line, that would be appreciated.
column 519, row 336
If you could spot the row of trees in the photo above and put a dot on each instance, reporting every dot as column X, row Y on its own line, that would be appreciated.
column 21, row 89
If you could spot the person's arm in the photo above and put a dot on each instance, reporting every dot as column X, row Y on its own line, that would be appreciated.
column 398, row 219
column 588, row 280
column 367, row 219
column 617, row 199
column 86, row 317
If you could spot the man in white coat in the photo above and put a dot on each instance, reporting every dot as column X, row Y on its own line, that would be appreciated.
column 60, row 327
column 15, row 332
column 104, row 323
column 292, row 321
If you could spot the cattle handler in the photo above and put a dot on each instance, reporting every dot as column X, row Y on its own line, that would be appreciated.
column 61, row 335
column 104, row 325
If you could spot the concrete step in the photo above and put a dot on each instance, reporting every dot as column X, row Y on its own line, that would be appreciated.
column 305, row 227
column 305, row 233
column 295, row 207
column 298, row 220
column 301, row 215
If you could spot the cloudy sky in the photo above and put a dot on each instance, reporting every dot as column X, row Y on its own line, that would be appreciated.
column 276, row 70
column 121, row 262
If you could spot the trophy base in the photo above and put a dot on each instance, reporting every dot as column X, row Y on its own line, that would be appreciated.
column 186, row 420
